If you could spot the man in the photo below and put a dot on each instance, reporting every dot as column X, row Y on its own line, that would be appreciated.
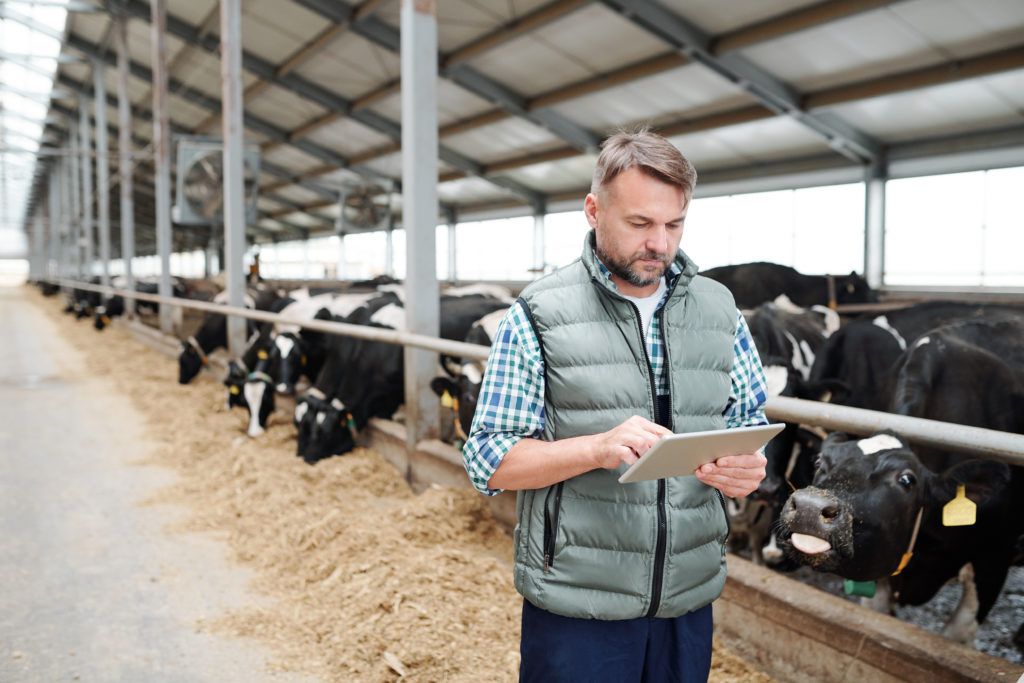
column 591, row 366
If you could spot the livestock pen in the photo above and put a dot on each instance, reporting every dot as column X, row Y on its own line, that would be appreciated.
column 792, row 631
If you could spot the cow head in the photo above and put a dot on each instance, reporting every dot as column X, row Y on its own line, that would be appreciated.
column 463, row 390
column 235, row 381
column 331, row 431
column 190, row 361
column 306, row 409
column 854, row 289
column 258, row 388
column 291, row 353
column 857, row 517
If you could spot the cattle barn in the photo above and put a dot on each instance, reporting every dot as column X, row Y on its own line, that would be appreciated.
column 262, row 264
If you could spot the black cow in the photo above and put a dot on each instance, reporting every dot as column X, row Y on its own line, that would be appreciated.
column 752, row 284
column 856, row 367
column 857, row 520
column 368, row 377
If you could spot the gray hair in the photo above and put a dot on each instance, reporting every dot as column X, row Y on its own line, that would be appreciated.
column 651, row 153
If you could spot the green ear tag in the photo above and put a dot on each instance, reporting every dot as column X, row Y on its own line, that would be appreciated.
column 351, row 422
column 862, row 588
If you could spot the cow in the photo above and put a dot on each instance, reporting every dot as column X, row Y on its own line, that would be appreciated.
column 114, row 306
column 752, row 284
column 787, row 337
column 366, row 378
column 213, row 333
column 856, row 366
column 462, row 384
column 970, row 372
column 873, row 503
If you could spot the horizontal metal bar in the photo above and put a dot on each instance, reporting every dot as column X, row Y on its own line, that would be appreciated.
column 975, row 441
column 988, row 443
column 453, row 348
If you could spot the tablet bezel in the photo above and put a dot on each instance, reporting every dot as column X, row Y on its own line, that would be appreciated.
column 681, row 454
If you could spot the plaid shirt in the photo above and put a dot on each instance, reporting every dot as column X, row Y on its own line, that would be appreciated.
column 511, row 401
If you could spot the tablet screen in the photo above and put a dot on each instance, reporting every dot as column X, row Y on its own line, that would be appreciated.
column 681, row 454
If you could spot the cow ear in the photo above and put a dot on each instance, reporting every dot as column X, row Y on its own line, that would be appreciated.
column 439, row 385
column 984, row 481
column 834, row 439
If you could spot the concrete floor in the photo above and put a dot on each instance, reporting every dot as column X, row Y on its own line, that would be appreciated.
column 92, row 587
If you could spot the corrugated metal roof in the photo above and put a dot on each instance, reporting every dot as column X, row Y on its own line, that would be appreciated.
column 527, row 86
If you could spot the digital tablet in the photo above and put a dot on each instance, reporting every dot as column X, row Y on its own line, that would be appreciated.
column 681, row 454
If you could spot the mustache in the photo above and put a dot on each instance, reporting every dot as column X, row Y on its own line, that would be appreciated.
column 650, row 255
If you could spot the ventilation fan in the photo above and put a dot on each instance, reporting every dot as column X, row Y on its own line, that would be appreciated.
column 200, row 186
column 364, row 208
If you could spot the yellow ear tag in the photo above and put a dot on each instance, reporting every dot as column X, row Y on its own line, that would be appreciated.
column 261, row 354
column 455, row 404
column 303, row 360
column 446, row 399
column 233, row 390
column 961, row 511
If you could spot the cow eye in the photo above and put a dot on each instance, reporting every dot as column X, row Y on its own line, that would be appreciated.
column 906, row 480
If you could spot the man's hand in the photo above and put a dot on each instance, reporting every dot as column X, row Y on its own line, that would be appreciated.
column 627, row 442
column 734, row 475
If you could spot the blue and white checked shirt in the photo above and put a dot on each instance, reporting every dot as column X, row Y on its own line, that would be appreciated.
column 511, row 401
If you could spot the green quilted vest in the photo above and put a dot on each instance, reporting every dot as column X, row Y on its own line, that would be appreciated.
column 591, row 547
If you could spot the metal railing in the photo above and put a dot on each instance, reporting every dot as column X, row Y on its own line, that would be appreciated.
column 987, row 443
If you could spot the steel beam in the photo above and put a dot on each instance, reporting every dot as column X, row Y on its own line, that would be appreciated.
column 771, row 92
column 75, row 171
column 125, row 165
column 85, row 136
column 234, row 172
column 419, row 208
column 102, row 170
column 162, row 152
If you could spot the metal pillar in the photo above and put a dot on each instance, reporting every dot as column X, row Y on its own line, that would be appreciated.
column 85, row 143
column 453, row 270
column 234, row 173
column 874, row 227
column 126, row 169
column 162, row 149
column 539, row 243
column 63, row 267
column 53, row 244
column 342, row 268
column 389, row 251
column 102, row 171
column 74, row 170
column 419, row 208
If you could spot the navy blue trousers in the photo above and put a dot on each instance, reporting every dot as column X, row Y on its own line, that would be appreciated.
column 562, row 649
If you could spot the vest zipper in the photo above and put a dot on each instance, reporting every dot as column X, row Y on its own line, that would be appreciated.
column 659, row 550
column 551, row 525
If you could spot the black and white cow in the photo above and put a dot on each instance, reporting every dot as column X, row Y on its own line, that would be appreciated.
column 368, row 377
column 114, row 306
column 462, row 384
column 858, row 520
column 856, row 367
column 752, row 284
column 787, row 338
column 970, row 372
column 213, row 333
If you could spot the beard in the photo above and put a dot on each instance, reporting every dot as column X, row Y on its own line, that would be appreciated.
column 624, row 268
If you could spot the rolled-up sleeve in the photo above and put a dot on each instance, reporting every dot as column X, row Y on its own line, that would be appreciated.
column 510, row 405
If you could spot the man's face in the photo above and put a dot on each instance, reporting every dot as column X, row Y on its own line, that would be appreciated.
column 638, row 221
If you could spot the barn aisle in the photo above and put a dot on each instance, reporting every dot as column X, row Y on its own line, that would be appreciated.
column 93, row 587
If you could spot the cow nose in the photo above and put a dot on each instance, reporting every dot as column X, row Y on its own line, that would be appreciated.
column 814, row 509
